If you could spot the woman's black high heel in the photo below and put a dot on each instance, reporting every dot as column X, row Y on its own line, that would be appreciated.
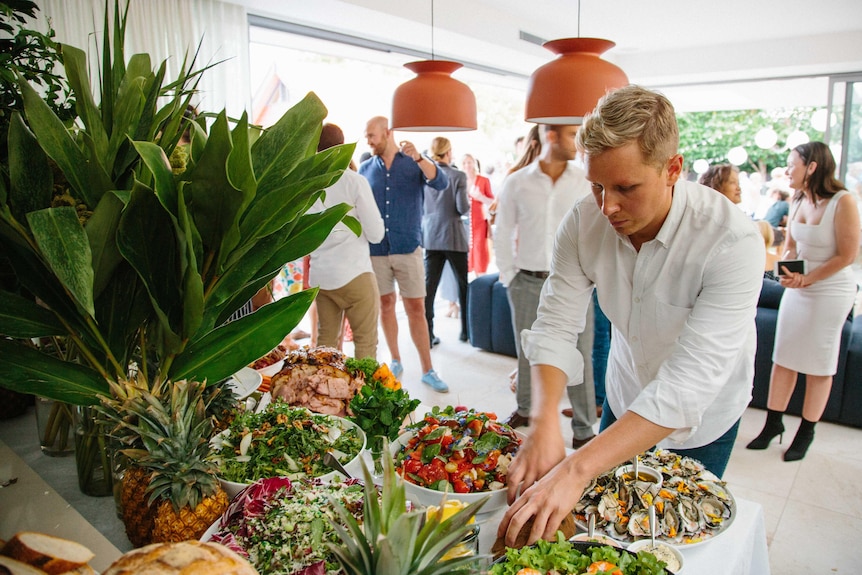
column 773, row 427
column 804, row 436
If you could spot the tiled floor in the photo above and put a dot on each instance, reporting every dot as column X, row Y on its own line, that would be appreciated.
column 812, row 508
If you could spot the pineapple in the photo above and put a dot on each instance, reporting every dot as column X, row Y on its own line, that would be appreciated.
column 393, row 541
column 174, row 430
column 138, row 516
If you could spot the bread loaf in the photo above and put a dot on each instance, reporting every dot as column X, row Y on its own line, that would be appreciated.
column 9, row 566
column 50, row 554
column 186, row 558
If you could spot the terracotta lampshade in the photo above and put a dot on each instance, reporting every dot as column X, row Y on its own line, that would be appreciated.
column 433, row 101
column 564, row 90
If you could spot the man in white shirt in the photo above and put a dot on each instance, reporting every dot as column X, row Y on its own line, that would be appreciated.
column 341, row 266
column 678, row 272
column 530, row 207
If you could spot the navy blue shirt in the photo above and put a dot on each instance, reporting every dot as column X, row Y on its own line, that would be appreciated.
column 399, row 193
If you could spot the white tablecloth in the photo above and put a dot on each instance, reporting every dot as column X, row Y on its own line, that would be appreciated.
column 741, row 550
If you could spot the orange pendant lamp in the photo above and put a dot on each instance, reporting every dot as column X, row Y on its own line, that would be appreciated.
column 433, row 101
column 566, row 89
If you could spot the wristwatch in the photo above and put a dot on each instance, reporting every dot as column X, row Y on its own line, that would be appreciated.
column 421, row 157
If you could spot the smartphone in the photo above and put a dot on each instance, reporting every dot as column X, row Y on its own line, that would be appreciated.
column 795, row 266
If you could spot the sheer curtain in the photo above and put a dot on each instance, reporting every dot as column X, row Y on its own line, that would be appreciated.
column 168, row 30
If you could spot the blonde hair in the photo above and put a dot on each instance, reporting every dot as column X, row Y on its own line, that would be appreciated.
column 632, row 114
column 439, row 147
column 767, row 232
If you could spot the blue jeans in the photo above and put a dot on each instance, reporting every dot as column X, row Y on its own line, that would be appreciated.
column 714, row 456
column 601, row 349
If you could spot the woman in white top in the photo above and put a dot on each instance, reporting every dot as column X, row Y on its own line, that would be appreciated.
column 823, row 228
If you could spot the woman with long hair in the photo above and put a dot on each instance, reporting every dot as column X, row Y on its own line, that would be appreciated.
column 479, row 190
column 823, row 229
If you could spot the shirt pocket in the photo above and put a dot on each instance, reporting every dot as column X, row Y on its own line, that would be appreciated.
column 668, row 323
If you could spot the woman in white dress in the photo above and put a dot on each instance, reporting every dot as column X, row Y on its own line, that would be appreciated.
column 823, row 229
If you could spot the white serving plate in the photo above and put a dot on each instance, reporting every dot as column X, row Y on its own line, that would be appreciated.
column 245, row 382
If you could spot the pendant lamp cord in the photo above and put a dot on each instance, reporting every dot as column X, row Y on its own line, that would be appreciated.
column 579, row 18
column 432, row 29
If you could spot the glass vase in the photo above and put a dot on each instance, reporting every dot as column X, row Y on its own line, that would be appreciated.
column 55, row 422
column 93, row 455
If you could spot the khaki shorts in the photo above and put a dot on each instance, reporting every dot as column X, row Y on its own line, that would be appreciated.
column 406, row 269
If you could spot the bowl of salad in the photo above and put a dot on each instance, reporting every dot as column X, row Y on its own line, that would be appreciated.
column 459, row 452
column 576, row 558
column 284, row 441
column 282, row 526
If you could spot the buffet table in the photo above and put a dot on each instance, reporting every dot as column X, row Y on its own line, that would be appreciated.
column 31, row 504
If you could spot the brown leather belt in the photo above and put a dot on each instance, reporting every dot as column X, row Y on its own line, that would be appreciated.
column 540, row 275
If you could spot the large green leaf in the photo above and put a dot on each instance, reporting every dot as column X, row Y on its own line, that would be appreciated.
column 215, row 201
column 295, row 195
column 228, row 348
column 147, row 239
column 75, row 62
column 282, row 146
column 30, row 177
column 85, row 175
column 33, row 274
column 101, row 233
column 64, row 245
column 27, row 370
column 163, row 179
column 24, row 318
column 193, row 287
column 243, row 279
column 122, row 310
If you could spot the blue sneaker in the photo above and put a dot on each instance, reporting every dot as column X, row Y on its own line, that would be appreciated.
column 396, row 368
column 431, row 378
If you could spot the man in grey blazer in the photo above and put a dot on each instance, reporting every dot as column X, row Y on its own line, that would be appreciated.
column 443, row 234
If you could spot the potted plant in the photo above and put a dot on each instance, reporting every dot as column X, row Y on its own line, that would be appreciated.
column 138, row 268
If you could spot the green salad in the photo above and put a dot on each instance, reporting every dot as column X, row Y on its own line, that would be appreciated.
column 283, row 441
column 562, row 557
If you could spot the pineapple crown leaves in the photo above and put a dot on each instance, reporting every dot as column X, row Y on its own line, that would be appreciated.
column 393, row 541
column 173, row 427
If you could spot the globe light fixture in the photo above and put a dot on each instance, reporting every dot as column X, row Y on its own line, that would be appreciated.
column 737, row 155
column 433, row 101
column 765, row 138
column 818, row 119
column 796, row 138
column 700, row 166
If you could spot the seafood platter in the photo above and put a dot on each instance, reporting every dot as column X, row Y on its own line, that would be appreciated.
column 692, row 505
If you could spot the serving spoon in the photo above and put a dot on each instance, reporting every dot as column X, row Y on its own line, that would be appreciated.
column 651, row 515
column 330, row 461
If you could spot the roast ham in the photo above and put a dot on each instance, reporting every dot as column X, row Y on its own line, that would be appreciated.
column 318, row 379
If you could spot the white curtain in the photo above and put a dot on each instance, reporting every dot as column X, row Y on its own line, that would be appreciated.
column 168, row 30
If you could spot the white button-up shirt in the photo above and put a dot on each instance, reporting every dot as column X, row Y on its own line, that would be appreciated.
column 530, row 208
column 343, row 255
column 682, row 310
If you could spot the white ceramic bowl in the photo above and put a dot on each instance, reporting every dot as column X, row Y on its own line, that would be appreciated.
column 425, row 497
column 245, row 382
column 353, row 467
column 653, row 474
column 646, row 545
column 597, row 538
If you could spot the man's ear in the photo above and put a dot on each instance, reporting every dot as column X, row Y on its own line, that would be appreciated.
column 674, row 169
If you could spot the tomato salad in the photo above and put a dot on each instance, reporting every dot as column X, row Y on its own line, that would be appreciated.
column 461, row 451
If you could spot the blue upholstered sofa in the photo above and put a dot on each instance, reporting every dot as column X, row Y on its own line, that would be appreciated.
column 845, row 401
column 490, row 324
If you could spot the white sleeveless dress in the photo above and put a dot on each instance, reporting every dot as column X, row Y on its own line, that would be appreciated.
column 808, row 333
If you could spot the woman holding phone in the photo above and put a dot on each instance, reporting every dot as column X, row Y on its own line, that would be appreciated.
column 823, row 230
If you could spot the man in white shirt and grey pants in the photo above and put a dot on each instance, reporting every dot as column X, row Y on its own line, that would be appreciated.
column 678, row 271
column 530, row 207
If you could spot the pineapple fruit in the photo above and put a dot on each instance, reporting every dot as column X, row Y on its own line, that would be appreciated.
column 393, row 541
column 183, row 491
column 138, row 516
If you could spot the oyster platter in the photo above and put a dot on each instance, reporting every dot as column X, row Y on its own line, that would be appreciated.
column 692, row 505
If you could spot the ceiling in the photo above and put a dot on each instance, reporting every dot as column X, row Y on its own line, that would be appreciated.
column 702, row 53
